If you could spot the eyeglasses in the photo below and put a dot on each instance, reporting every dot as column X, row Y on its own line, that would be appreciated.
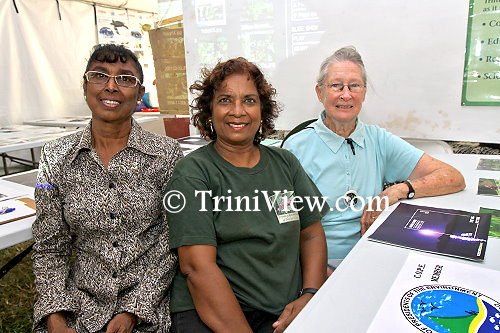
column 353, row 87
column 128, row 81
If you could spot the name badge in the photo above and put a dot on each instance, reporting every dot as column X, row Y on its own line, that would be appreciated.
column 283, row 207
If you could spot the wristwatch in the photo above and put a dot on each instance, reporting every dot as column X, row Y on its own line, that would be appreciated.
column 411, row 192
column 308, row 291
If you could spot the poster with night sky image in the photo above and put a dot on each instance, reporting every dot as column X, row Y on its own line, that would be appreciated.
column 437, row 230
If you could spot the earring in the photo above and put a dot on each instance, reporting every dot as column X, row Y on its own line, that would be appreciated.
column 260, row 128
column 138, row 102
column 211, row 125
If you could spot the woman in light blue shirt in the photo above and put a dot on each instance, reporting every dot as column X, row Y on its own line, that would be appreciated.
column 350, row 161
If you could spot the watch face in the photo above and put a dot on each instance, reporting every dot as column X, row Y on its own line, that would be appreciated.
column 411, row 195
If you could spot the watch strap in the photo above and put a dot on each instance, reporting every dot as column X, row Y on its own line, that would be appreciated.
column 411, row 190
column 308, row 291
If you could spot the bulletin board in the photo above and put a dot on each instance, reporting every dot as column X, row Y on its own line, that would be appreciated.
column 482, row 61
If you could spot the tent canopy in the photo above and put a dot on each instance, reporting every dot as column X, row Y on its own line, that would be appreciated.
column 47, row 47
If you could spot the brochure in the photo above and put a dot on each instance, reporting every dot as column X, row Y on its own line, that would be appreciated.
column 487, row 186
column 435, row 294
column 436, row 230
column 488, row 164
column 495, row 221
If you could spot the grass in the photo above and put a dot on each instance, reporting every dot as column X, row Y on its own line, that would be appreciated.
column 17, row 292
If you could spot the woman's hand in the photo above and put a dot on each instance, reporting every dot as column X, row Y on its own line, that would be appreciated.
column 430, row 177
column 290, row 312
column 56, row 323
column 388, row 197
column 122, row 323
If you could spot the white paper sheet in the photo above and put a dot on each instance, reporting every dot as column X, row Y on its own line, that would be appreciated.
column 20, row 210
column 434, row 294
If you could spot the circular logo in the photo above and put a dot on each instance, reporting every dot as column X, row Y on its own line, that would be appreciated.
column 450, row 309
column 174, row 201
column 351, row 196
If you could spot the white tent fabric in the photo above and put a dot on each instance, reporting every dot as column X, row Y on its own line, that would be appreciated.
column 44, row 57
column 143, row 5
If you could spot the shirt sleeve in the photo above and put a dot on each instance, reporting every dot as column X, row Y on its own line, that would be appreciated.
column 144, row 299
column 192, row 225
column 314, row 205
column 401, row 158
column 52, row 248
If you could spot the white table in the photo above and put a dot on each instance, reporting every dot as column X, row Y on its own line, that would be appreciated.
column 19, row 231
column 350, row 298
column 34, row 134
column 82, row 121
column 191, row 143
column 20, row 137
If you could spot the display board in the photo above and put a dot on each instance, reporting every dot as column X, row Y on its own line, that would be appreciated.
column 414, row 52
column 482, row 61
column 170, row 64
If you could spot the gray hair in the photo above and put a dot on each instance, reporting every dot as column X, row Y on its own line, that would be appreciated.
column 347, row 53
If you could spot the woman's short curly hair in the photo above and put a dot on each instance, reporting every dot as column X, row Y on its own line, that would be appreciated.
column 211, row 80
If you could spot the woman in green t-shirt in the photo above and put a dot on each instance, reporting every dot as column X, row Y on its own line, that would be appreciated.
column 251, row 252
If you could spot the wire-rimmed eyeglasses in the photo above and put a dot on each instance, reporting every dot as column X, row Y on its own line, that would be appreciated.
column 123, row 80
column 353, row 87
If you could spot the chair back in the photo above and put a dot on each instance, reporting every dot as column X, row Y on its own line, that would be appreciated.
column 297, row 129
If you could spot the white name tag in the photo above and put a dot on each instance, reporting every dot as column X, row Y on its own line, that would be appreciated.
column 283, row 207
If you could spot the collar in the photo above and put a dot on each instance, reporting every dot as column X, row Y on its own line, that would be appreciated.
column 334, row 141
column 138, row 139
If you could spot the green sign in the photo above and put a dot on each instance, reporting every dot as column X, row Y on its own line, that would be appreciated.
column 481, row 85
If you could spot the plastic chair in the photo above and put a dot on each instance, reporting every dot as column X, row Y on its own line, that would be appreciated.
column 297, row 129
column 431, row 146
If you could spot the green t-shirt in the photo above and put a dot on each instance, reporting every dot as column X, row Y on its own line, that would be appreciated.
column 258, row 255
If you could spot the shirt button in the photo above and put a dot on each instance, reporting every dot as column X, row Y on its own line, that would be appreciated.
column 111, row 185
column 114, row 275
column 112, row 215
column 115, row 244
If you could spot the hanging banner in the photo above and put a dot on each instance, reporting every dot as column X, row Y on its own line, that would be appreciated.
column 481, row 83
column 170, row 63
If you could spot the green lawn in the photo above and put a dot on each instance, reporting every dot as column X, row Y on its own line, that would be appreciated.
column 17, row 292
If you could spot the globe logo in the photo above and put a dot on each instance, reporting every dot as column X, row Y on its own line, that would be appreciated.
column 450, row 309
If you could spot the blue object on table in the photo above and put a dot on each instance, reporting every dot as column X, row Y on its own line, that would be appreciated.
column 6, row 210
column 146, row 100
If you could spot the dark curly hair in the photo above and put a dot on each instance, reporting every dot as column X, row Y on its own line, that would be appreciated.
column 211, row 81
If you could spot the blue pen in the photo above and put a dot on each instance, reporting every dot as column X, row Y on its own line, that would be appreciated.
column 6, row 210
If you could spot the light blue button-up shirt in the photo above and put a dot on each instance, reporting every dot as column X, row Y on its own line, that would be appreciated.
column 328, row 159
